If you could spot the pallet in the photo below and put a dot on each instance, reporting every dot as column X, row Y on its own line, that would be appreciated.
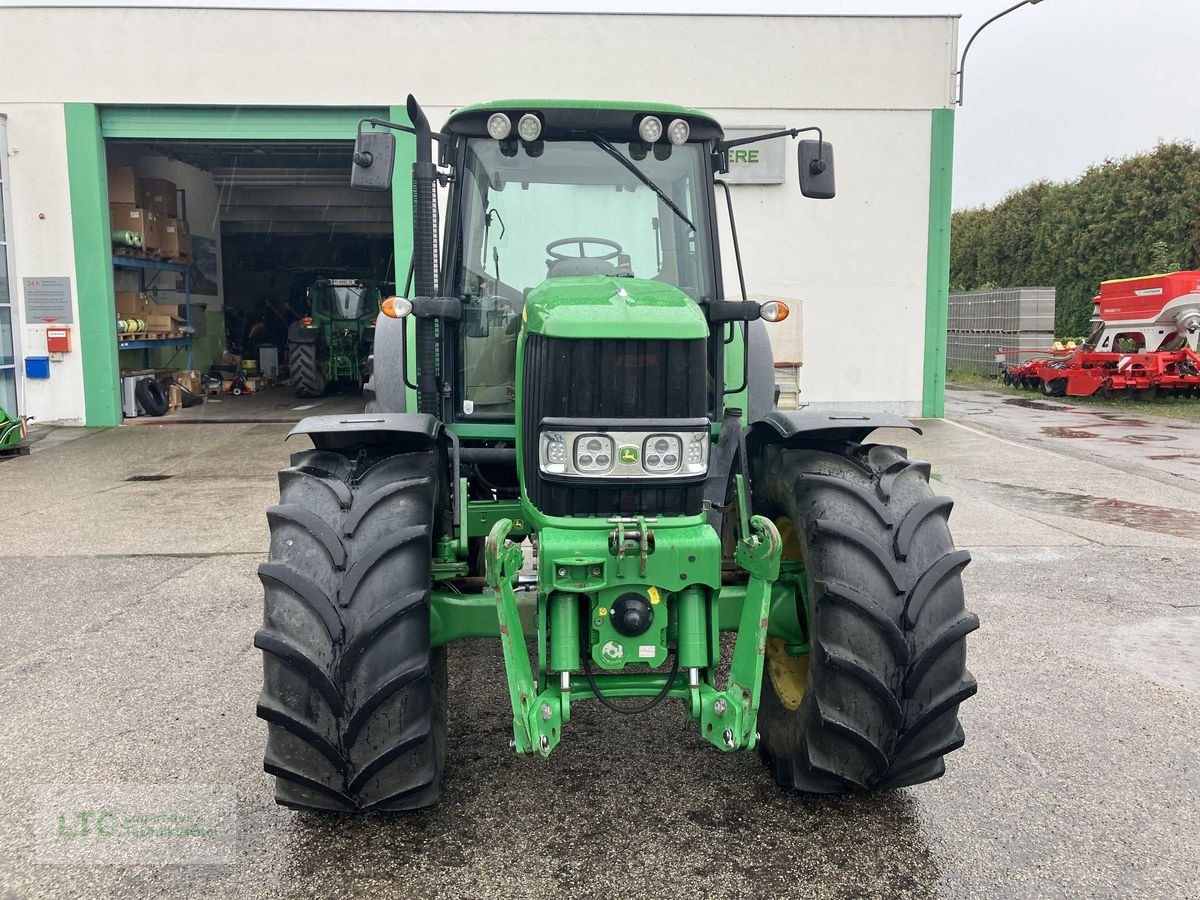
column 148, row 335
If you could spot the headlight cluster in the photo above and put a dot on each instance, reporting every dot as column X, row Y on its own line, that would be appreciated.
column 529, row 128
column 623, row 454
column 500, row 126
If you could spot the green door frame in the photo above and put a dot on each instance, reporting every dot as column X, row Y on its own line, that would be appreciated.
column 87, row 125
column 937, row 271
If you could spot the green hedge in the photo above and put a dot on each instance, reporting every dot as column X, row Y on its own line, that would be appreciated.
column 1122, row 218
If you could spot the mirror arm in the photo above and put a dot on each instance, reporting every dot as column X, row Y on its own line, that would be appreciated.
column 721, row 156
column 396, row 126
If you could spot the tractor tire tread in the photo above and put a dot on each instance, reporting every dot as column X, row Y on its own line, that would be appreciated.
column 353, row 695
column 887, row 671
column 305, row 372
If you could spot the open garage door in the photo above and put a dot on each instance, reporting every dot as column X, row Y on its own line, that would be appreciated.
column 250, row 291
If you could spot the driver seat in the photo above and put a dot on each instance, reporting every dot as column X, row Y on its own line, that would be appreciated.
column 564, row 268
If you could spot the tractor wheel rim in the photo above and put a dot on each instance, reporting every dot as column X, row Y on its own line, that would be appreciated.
column 788, row 673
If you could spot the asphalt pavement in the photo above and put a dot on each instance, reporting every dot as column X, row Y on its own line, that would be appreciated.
column 127, row 671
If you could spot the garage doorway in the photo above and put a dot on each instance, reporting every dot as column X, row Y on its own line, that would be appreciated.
column 265, row 228
column 163, row 136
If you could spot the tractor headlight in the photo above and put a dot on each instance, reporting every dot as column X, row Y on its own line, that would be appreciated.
column 499, row 126
column 650, row 129
column 553, row 452
column 622, row 454
column 661, row 453
column 678, row 131
column 593, row 454
column 529, row 127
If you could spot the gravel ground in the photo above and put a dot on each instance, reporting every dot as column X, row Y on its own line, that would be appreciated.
column 126, row 665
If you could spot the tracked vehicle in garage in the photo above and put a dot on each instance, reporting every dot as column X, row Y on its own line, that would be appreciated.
column 568, row 375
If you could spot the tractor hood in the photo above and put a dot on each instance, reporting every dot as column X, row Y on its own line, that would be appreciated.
column 601, row 306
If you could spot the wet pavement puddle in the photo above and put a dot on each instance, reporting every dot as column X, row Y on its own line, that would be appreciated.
column 1167, row 520
column 1062, row 431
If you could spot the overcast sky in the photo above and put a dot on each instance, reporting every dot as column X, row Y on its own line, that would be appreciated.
column 1050, row 88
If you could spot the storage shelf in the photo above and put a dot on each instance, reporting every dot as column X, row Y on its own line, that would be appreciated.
column 158, row 342
column 157, row 265
column 136, row 262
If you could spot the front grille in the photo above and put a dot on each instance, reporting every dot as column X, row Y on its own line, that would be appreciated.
column 611, row 379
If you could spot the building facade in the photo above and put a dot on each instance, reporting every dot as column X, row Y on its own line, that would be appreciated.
column 188, row 94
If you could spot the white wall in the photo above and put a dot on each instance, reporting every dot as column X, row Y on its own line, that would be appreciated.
column 856, row 263
column 42, row 245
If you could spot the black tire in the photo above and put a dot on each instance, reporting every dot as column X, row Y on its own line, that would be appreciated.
column 1055, row 387
column 151, row 395
column 354, row 698
column 877, row 705
column 306, row 376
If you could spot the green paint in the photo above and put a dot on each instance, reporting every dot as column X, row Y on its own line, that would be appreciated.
column 455, row 616
column 599, row 306
column 237, row 123
column 88, row 183
column 937, row 272
column 481, row 515
column 480, row 430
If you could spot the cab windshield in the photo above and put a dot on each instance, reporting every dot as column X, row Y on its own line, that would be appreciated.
column 566, row 209
column 344, row 301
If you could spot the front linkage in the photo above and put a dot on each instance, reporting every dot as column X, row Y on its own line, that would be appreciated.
column 727, row 718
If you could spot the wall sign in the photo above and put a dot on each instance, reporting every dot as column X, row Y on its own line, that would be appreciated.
column 47, row 301
column 760, row 163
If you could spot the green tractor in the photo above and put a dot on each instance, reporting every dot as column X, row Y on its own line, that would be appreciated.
column 573, row 448
column 331, row 345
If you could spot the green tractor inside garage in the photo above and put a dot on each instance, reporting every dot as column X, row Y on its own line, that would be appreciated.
column 567, row 377
column 330, row 346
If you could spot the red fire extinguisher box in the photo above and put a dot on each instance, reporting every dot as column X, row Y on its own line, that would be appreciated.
column 58, row 340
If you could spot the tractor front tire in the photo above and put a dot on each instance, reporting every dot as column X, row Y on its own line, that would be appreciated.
column 353, row 695
column 307, row 378
column 874, row 705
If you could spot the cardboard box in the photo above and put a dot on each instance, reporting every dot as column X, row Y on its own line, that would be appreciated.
column 122, row 185
column 176, row 240
column 190, row 379
column 158, row 195
column 127, row 217
column 131, row 303
column 160, row 322
column 170, row 238
column 152, row 235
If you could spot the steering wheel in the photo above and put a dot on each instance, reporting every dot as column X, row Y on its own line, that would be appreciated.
column 604, row 242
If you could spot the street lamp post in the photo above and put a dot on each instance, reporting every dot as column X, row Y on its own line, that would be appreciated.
column 963, row 61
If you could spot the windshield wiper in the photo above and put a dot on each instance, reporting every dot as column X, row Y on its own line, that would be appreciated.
column 640, row 176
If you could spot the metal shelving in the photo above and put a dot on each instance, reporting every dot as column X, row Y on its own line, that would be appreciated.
column 154, row 265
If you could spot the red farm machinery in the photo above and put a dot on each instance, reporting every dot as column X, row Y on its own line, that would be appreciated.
column 1144, row 342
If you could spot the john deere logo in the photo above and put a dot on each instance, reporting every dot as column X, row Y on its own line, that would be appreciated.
column 629, row 455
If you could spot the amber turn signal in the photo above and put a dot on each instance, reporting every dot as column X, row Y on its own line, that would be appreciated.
column 396, row 307
column 774, row 310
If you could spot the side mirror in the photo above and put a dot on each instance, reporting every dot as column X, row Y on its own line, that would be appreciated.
column 816, row 169
column 374, row 153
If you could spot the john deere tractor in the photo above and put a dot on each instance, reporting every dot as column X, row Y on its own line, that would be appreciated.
column 331, row 344
column 573, row 449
